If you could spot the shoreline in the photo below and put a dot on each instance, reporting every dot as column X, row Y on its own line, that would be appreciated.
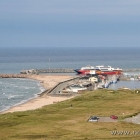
column 35, row 103
column 48, row 82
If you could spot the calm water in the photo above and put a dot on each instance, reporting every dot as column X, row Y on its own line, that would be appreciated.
column 129, row 84
column 13, row 60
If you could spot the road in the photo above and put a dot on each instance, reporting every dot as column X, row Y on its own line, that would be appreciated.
column 106, row 119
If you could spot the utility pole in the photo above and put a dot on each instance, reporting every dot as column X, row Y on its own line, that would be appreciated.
column 49, row 65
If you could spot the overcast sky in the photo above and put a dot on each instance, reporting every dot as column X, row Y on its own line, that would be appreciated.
column 69, row 23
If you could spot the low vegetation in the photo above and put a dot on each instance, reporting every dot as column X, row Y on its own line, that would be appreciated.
column 67, row 120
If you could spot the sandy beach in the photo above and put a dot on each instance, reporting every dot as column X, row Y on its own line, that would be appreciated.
column 48, row 81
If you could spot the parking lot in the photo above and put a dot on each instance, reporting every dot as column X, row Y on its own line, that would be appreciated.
column 107, row 119
column 101, row 119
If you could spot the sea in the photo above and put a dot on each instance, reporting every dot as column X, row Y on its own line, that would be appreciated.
column 14, row 91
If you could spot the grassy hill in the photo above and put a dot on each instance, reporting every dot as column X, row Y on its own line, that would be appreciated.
column 67, row 120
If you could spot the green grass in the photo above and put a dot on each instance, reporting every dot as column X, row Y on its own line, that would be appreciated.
column 62, row 122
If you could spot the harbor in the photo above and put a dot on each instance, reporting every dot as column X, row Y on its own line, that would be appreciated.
column 61, row 84
column 87, row 78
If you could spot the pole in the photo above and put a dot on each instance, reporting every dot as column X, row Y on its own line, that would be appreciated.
column 49, row 65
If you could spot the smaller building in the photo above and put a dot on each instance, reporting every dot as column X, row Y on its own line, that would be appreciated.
column 93, row 79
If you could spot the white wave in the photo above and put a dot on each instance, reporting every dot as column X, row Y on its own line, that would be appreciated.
column 9, row 97
column 16, row 104
column 24, row 101
column 27, row 87
column 13, row 96
column 42, row 89
column 5, row 108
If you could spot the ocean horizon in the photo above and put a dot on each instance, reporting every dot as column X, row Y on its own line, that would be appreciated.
column 15, row 59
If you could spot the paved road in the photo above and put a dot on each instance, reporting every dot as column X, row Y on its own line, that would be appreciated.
column 58, row 88
column 106, row 119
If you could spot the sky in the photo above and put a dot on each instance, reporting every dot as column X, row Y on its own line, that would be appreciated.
column 69, row 23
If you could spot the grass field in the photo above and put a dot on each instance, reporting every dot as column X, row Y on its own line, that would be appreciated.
column 62, row 121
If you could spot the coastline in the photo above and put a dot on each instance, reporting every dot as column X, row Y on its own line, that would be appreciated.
column 48, row 82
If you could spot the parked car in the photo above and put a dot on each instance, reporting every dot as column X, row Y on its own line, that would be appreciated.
column 113, row 117
column 93, row 119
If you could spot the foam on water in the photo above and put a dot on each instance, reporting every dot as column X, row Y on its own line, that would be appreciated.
column 17, row 91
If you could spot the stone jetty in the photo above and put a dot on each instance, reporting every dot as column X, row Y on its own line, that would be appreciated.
column 37, row 71
column 55, row 70
column 13, row 75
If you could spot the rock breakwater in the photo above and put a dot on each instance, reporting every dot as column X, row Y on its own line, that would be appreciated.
column 37, row 71
column 55, row 70
column 13, row 76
